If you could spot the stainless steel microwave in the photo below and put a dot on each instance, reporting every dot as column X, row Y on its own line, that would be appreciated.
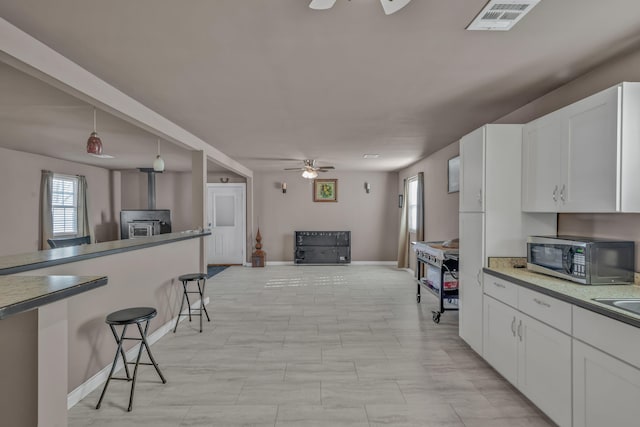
column 583, row 260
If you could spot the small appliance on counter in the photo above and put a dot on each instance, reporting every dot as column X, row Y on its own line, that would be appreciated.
column 144, row 223
column 586, row 260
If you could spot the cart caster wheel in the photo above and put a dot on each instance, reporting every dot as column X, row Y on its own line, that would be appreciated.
column 436, row 316
column 418, row 298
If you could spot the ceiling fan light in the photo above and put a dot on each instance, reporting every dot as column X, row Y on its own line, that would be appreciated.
column 321, row 4
column 309, row 174
column 94, row 144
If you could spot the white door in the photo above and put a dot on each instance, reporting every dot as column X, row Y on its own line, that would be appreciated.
column 500, row 342
column 544, row 368
column 226, row 211
column 472, row 171
column 470, row 282
column 592, row 147
column 606, row 391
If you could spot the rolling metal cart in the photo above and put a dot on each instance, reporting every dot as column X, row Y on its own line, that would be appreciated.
column 437, row 271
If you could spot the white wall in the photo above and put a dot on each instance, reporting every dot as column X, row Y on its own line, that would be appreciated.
column 372, row 218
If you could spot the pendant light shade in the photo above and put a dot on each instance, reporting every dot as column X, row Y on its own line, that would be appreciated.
column 94, row 143
column 158, row 163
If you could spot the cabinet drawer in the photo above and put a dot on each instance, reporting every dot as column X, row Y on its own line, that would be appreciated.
column 545, row 309
column 501, row 290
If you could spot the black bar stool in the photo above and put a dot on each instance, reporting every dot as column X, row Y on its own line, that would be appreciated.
column 200, row 279
column 124, row 318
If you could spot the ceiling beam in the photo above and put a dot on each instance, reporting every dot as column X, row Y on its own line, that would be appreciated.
column 33, row 57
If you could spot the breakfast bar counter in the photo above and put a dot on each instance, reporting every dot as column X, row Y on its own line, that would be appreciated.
column 22, row 293
column 12, row 264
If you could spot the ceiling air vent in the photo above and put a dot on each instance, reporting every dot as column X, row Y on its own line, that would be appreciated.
column 501, row 15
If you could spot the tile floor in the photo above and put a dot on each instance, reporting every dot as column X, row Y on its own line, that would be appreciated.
column 315, row 346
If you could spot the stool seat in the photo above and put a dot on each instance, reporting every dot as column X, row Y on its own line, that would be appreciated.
column 192, row 276
column 131, row 315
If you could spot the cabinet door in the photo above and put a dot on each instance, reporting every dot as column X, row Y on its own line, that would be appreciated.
column 472, row 151
column 470, row 279
column 606, row 391
column 541, row 164
column 500, row 341
column 544, row 368
column 590, row 182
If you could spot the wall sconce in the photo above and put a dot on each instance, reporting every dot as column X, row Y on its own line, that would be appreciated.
column 224, row 180
column 367, row 187
column 284, row 187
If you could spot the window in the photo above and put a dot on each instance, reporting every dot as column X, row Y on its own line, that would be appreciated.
column 64, row 205
column 412, row 204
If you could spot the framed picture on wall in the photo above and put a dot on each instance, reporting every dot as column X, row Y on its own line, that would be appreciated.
column 325, row 190
column 453, row 171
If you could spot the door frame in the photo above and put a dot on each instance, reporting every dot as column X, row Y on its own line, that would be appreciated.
column 243, row 187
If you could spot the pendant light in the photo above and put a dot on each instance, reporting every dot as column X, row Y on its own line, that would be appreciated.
column 158, row 163
column 94, row 143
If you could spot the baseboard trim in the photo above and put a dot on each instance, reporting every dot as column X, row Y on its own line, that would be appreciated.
column 390, row 263
column 99, row 378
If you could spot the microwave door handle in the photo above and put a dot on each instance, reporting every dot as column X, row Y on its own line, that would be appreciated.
column 567, row 261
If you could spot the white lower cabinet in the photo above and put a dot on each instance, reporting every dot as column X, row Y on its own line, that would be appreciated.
column 531, row 355
column 544, row 368
column 500, row 343
column 606, row 391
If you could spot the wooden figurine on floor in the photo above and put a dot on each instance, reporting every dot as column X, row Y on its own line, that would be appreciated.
column 258, row 257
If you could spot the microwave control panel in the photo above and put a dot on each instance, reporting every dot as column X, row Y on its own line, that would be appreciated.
column 579, row 263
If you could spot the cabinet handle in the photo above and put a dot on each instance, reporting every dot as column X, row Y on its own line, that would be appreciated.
column 513, row 326
column 562, row 193
column 520, row 330
column 542, row 303
column 555, row 193
column 500, row 285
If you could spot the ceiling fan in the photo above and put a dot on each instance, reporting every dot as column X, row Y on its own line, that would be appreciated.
column 389, row 6
column 310, row 170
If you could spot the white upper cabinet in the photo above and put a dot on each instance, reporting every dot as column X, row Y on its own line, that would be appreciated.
column 541, row 165
column 585, row 157
column 472, row 148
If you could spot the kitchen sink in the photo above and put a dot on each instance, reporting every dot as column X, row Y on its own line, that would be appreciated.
column 629, row 304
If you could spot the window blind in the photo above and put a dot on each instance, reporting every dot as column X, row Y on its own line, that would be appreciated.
column 64, row 205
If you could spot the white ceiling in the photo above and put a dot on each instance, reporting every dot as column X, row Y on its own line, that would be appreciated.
column 268, row 82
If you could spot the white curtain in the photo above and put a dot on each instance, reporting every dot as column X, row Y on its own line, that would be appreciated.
column 84, row 228
column 403, row 239
column 46, row 214
column 420, row 214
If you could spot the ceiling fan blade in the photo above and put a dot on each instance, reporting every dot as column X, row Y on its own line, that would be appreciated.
column 392, row 6
column 322, row 4
column 294, row 169
column 326, row 167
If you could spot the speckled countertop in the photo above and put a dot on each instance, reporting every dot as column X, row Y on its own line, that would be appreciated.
column 22, row 293
column 573, row 293
column 12, row 264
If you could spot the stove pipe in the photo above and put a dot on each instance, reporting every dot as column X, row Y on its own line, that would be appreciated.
column 151, row 187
